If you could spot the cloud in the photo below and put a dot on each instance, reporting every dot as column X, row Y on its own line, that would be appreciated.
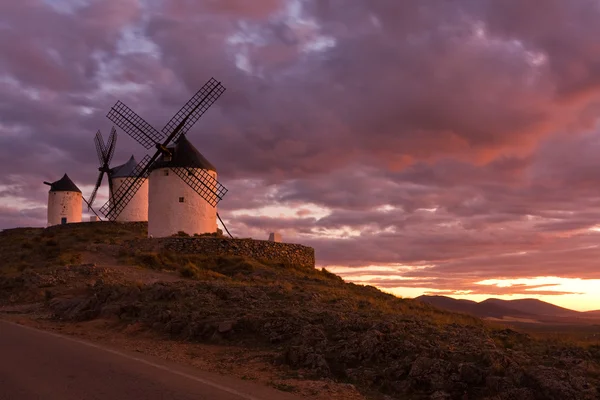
column 459, row 138
column 13, row 217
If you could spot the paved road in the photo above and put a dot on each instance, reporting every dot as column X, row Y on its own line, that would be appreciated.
column 41, row 365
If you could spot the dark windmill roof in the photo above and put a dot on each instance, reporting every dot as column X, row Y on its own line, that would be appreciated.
column 64, row 184
column 185, row 155
column 124, row 170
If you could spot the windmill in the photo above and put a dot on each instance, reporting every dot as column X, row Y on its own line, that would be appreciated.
column 171, row 145
column 105, row 154
column 137, row 208
column 64, row 202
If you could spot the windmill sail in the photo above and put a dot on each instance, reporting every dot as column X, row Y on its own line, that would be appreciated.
column 127, row 190
column 194, row 109
column 134, row 125
column 105, row 154
column 203, row 183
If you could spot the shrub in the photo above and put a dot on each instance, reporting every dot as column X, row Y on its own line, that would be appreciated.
column 149, row 260
column 331, row 275
column 217, row 234
column 69, row 259
column 189, row 271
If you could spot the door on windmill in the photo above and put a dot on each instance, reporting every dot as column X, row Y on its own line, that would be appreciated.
column 63, row 221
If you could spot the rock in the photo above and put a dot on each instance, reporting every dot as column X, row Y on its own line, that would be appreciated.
column 498, row 384
column 272, row 250
column 470, row 374
column 520, row 394
column 226, row 326
column 429, row 373
column 439, row 395
column 421, row 366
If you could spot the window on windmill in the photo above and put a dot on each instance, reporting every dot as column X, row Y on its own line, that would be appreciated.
column 166, row 172
column 181, row 200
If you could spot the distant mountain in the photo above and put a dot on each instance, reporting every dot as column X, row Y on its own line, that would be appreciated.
column 523, row 310
column 593, row 313
column 533, row 307
column 472, row 307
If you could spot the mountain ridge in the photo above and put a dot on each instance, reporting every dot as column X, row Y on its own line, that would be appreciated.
column 493, row 308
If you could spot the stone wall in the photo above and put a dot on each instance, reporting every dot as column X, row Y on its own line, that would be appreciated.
column 258, row 249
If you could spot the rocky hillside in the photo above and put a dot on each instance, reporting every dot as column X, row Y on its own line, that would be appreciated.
column 312, row 320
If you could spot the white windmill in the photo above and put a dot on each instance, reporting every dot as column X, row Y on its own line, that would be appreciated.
column 174, row 205
column 64, row 202
column 137, row 208
column 185, row 202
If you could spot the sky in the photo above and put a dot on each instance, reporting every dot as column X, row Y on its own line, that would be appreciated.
column 442, row 147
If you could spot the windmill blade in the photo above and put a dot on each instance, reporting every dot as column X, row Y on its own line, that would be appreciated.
column 93, row 195
column 100, row 147
column 119, row 199
column 203, row 183
column 112, row 143
column 134, row 125
column 193, row 109
column 110, row 187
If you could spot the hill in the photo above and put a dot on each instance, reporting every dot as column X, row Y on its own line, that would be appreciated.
column 482, row 310
column 520, row 310
column 307, row 323
column 593, row 313
column 533, row 307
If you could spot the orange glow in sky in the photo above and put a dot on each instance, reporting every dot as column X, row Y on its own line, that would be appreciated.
column 584, row 293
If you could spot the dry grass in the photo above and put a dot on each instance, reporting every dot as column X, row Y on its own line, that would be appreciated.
column 64, row 245
column 587, row 336
column 290, row 281
column 38, row 248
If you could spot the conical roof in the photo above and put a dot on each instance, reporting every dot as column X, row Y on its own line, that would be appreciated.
column 185, row 155
column 124, row 170
column 64, row 184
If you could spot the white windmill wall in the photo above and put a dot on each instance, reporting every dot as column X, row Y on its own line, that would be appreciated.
column 64, row 205
column 137, row 209
column 167, row 215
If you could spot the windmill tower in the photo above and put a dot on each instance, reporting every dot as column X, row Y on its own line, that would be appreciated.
column 174, row 205
column 171, row 204
column 64, row 202
column 137, row 208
